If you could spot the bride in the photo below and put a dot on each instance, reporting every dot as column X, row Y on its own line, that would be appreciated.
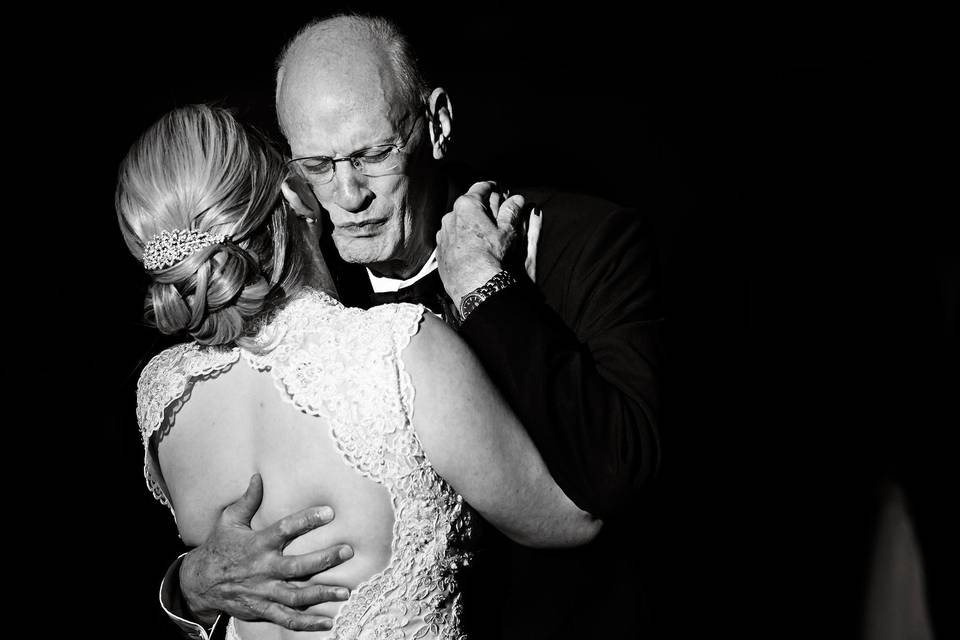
column 384, row 414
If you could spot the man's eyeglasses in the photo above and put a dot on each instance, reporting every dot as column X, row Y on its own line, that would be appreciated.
column 372, row 161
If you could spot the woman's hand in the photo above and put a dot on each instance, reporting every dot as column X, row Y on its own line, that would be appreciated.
column 301, row 199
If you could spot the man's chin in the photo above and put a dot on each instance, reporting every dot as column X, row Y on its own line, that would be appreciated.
column 360, row 250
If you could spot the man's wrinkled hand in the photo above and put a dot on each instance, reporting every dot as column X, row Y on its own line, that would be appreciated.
column 478, row 238
column 243, row 573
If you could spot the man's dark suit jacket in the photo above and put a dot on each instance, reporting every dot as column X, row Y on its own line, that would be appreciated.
column 576, row 357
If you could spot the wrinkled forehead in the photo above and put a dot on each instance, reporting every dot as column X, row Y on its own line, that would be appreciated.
column 334, row 105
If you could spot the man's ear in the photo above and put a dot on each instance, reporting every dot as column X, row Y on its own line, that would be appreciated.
column 440, row 117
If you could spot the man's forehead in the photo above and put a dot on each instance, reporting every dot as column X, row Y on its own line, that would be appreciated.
column 328, row 127
column 358, row 103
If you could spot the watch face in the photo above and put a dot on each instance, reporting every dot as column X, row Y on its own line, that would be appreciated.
column 469, row 304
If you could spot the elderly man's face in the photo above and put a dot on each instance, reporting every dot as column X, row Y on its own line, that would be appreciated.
column 378, row 221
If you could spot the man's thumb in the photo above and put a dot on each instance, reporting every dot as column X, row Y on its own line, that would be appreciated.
column 242, row 511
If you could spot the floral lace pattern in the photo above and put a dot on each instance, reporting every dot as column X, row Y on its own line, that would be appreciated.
column 343, row 364
column 163, row 385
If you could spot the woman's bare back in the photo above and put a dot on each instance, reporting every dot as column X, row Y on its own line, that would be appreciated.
column 325, row 419
column 236, row 425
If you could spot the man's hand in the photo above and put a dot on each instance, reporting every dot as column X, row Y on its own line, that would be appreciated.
column 244, row 573
column 478, row 238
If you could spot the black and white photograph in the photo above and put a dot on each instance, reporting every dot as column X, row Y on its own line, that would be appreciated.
column 490, row 322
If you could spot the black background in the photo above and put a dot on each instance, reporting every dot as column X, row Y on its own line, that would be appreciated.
column 792, row 165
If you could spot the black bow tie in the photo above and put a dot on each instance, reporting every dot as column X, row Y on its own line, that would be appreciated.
column 427, row 291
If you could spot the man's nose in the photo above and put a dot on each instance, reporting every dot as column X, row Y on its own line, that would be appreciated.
column 350, row 190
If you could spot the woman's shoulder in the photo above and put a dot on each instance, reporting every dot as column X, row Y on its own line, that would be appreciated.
column 186, row 359
column 169, row 375
column 318, row 314
column 400, row 320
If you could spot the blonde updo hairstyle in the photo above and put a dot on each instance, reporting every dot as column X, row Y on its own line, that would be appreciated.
column 199, row 168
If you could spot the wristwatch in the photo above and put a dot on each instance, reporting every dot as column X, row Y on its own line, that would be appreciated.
column 472, row 300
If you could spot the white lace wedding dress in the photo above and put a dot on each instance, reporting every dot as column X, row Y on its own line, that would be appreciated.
column 343, row 365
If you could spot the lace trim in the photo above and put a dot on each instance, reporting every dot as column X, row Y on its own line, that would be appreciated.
column 417, row 592
column 402, row 338
column 163, row 384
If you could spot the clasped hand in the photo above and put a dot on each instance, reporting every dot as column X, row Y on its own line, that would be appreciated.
column 486, row 232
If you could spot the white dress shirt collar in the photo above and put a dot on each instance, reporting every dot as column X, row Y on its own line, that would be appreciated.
column 381, row 284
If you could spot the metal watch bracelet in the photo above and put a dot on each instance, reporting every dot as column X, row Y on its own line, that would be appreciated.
column 472, row 300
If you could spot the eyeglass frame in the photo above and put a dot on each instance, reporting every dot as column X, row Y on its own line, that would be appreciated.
column 352, row 157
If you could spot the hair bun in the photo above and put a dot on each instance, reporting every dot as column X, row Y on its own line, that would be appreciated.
column 210, row 295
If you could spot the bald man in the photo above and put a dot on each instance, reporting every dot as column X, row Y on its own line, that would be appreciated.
column 570, row 340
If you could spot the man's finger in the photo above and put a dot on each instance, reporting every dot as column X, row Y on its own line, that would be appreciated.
column 482, row 188
column 510, row 213
column 283, row 531
column 241, row 511
column 307, row 596
column 295, row 620
column 470, row 208
column 310, row 564
column 494, row 202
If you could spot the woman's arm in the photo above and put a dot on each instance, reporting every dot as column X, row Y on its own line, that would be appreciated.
column 475, row 442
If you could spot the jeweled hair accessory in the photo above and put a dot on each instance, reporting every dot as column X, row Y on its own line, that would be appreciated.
column 167, row 248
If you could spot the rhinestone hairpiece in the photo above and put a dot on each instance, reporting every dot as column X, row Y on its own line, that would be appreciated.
column 167, row 248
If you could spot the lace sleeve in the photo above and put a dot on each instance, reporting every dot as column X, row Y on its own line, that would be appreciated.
column 404, row 320
column 163, row 387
